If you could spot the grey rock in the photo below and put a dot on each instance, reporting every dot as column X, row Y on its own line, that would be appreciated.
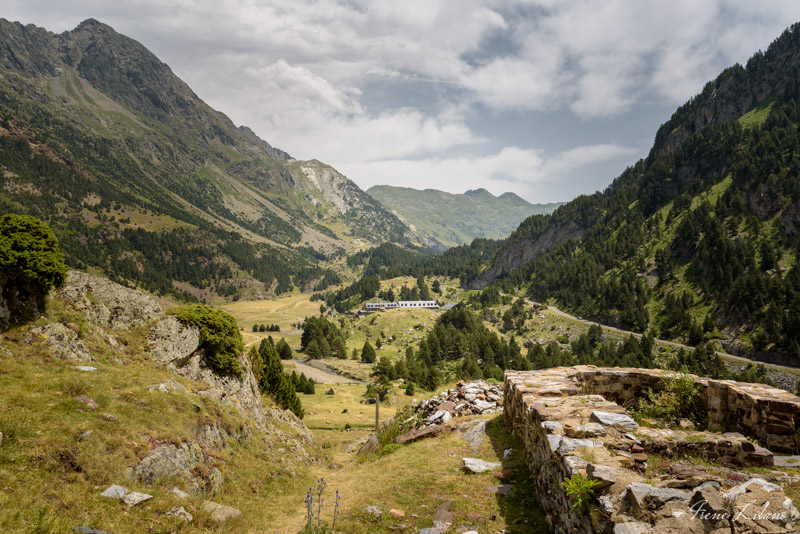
column 574, row 464
column 484, row 405
column 606, row 505
column 571, row 444
column 744, row 487
column 134, row 498
column 476, row 465
column 115, row 492
column 220, row 513
column 178, row 462
column 551, row 426
column 607, row 476
column 85, row 368
column 161, row 388
column 590, row 430
column 632, row 528
column 507, row 453
column 331, row 391
column 62, row 341
column 86, row 435
column 181, row 513
column 111, row 305
column 90, row 530
column 476, row 435
column 172, row 341
column 787, row 461
column 633, row 438
column 620, row 421
column 711, row 484
column 374, row 511
column 644, row 496
column 554, row 441
column 709, row 502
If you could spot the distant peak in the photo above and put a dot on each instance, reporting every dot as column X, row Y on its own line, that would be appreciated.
column 478, row 192
column 91, row 23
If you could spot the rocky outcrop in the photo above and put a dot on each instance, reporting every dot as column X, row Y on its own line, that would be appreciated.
column 187, row 463
column 172, row 342
column 107, row 304
column 61, row 340
column 517, row 252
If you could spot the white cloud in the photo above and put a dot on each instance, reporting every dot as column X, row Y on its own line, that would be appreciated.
column 390, row 91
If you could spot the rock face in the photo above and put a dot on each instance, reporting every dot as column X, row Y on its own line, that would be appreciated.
column 108, row 304
column 177, row 346
column 62, row 341
column 520, row 250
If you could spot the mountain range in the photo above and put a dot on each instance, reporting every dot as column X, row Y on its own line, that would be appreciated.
column 453, row 220
column 698, row 241
column 142, row 180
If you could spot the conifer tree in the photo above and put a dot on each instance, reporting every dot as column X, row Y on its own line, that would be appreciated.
column 368, row 353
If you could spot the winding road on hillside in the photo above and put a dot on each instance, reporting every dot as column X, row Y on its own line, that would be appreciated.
column 724, row 355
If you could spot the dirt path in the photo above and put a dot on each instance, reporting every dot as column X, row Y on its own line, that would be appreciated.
column 723, row 355
column 320, row 373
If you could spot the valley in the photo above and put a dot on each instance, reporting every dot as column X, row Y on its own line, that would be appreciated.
column 195, row 326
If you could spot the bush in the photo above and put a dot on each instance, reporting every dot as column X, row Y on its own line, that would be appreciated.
column 31, row 264
column 582, row 492
column 677, row 400
column 219, row 337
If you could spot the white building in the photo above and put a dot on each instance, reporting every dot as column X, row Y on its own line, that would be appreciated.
column 426, row 304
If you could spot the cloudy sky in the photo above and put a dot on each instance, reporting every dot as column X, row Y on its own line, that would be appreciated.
column 545, row 98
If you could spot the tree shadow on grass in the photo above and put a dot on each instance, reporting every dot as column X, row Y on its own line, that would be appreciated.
column 521, row 508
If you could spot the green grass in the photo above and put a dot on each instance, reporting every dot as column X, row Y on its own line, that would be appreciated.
column 758, row 114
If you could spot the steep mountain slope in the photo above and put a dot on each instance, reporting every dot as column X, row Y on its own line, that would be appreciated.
column 140, row 178
column 454, row 220
column 700, row 239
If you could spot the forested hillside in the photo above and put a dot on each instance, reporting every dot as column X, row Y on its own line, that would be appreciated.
column 700, row 239
column 453, row 220
column 140, row 179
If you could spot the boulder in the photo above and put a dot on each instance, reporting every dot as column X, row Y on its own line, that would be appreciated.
column 220, row 513
column 181, row 513
column 570, row 444
column 180, row 463
column 374, row 511
column 331, row 391
column 476, row 435
column 476, row 465
column 134, row 498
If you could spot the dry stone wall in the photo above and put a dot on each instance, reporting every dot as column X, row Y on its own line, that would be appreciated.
column 574, row 421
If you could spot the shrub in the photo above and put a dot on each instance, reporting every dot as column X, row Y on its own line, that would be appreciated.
column 582, row 492
column 219, row 337
column 31, row 263
column 677, row 400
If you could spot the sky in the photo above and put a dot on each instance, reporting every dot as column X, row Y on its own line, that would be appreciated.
column 548, row 99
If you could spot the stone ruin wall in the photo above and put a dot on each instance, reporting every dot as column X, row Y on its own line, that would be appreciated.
column 574, row 421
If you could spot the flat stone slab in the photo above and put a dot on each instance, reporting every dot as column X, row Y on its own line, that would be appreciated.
column 619, row 421
column 644, row 496
column 632, row 528
column 132, row 499
column 420, row 433
column 85, row 368
column 476, row 465
column 570, row 444
column 787, row 461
